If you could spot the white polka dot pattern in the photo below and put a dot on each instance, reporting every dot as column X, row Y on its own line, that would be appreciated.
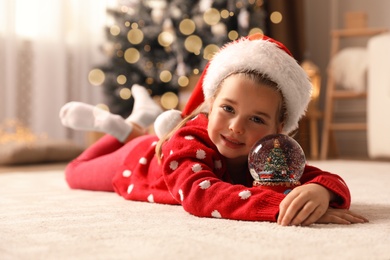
column 143, row 161
column 245, row 194
column 216, row 214
column 151, row 198
column 130, row 188
column 181, row 195
column 205, row 184
column 126, row 173
column 200, row 154
column 173, row 165
column 196, row 167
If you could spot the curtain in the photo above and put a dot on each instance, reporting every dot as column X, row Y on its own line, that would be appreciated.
column 47, row 49
column 290, row 30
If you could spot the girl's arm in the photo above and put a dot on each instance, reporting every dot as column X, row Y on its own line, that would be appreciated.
column 341, row 196
column 323, row 198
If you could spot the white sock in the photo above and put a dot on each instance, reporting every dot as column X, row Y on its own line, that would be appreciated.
column 81, row 116
column 145, row 110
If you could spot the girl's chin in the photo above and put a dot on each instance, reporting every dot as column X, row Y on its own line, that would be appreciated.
column 233, row 155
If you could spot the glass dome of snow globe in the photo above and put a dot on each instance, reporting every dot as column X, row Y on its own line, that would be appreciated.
column 276, row 160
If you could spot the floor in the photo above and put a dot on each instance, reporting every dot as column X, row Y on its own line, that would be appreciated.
column 33, row 167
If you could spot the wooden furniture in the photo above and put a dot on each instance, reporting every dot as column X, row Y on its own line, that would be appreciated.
column 313, row 114
column 333, row 94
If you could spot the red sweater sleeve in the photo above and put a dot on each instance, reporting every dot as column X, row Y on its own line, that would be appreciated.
column 330, row 181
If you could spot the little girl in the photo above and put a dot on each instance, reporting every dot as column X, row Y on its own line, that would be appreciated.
column 253, row 87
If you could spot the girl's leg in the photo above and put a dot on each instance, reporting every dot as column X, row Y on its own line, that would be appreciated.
column 95, row 167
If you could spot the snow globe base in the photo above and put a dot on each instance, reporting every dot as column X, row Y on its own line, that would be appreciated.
column 281, row 187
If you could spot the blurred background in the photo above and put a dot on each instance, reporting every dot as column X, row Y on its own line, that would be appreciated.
column 53, row 52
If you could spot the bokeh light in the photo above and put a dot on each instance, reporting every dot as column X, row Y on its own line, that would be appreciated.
column 233, row 35
column 149, row 80
column 165, row 39
column 256, row 30
column 276, row 17
column 169, row 100
column 165, row 76
column 193, row 44
column 187, row 26
column 132, row 55
column 212, row 16
column 135, row 36
column 183, row 81
column 121, row 79
column 225, row 14
column 96, row 77
column 209, row 51
column 125, row 93
column 115, row 30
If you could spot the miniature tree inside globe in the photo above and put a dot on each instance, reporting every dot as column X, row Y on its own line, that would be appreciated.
column 276, row 162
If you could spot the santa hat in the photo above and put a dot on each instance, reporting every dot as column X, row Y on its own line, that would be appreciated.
column 256, row 53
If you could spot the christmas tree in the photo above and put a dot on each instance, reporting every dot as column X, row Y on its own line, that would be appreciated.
column 276, row 163
column 159, row 44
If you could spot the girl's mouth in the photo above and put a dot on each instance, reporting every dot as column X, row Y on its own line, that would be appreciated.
column 231, row 142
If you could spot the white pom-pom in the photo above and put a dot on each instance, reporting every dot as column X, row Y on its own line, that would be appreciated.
column 166, row 121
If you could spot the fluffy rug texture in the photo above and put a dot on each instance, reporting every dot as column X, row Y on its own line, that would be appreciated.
column 41, row 218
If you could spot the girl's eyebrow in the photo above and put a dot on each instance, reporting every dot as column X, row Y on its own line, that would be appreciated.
column 263, row 114
column 260, row 113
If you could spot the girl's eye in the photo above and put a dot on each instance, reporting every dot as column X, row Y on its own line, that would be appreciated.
column 257, row 120
column 228, row 109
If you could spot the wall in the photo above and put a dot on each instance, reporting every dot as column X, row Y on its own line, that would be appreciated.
column 322, row 16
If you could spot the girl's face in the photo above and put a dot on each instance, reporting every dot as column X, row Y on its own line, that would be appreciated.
column 242, row 113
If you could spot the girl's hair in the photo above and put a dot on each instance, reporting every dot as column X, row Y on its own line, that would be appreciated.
column 255, row 76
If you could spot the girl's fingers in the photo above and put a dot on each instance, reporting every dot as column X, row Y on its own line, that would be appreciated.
column 308, row 214
column 283, row 207
column 341, row 216
column 291, row 209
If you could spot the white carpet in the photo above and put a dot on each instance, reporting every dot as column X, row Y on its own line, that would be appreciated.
column 40, row 218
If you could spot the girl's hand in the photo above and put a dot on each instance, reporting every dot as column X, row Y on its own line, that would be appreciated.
column 341, row 216
column 305, row 205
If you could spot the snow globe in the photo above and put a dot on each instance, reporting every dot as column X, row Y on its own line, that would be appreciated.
column 276, row 162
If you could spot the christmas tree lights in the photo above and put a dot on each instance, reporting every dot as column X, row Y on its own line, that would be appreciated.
column 161, row 44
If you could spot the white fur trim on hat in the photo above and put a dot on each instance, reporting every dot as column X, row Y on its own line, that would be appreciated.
column 265, row 57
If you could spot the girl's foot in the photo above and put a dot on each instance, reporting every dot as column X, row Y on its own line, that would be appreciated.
column 145, row 109
column 81, row 116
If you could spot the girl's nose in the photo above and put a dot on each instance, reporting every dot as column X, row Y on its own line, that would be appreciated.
column 237, row 126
